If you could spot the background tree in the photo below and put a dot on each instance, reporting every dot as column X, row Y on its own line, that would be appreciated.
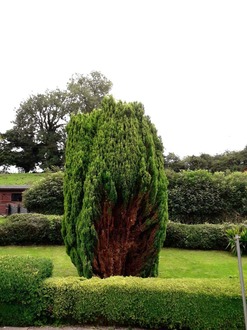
column 85, row 93
column 202, row 162
column 115, row 192
column 38, row 135
column 228, row 161
column 18, row 149
column 41, row 120
column 173, row 161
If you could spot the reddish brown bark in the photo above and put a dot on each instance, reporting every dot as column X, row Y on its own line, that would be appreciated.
column 125, row 240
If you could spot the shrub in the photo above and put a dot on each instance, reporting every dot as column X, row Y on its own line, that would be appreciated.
column 31, row 228
column 236, row 193
column 20, row 282
column 198, row 236
column 115, row 192
column 241, row 232
column 200, row 196
column 46, row 196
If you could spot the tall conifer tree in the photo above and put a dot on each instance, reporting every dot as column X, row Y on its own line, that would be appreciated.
column 115, row 192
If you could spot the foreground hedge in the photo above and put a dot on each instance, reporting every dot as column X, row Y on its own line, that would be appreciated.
column 135, row 302
column 21, row 279
column 150, row 303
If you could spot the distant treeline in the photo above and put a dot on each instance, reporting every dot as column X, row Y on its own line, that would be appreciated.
column 228, row 161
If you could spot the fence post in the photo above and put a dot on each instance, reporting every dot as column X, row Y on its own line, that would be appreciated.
column 241, row 279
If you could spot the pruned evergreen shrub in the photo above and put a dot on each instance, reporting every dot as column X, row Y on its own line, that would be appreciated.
column 46, row 196
column 115, row 192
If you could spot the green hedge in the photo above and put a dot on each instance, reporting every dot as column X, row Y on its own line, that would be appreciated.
column 31, row 228
column 28, row 298
column 194, row 196
column 201, row 196
column 149, row 303
column 38, row 229
column 20, row 286
column 199, row 236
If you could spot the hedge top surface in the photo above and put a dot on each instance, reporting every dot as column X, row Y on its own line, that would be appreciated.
column 20, row 276
column 214, row 287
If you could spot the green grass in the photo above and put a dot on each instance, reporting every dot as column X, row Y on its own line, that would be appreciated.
column 62, row 264
column 174, row 263
column 21, row 179
column 178, row 263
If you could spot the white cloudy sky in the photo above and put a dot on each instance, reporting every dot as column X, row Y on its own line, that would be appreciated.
column 185, row 60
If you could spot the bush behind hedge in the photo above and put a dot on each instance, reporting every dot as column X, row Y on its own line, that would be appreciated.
column 46, row 195
column 198, row 236
column 31, row 228
column 194, row 196
column 200, row 196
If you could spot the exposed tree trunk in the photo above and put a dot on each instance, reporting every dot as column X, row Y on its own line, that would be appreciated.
column 125, row 243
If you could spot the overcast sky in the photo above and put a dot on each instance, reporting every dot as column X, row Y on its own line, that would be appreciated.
column 186, row 61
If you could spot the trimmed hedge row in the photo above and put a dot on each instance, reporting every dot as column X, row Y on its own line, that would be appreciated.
column 200, row 236
column 194, row 196
column 149, row 303
column 31, row 228
column 116, row 301
column 200, row 196
column 39, row 229
column 21, row 279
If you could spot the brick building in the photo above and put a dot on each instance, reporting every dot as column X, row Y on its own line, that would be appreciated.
column 11, row 199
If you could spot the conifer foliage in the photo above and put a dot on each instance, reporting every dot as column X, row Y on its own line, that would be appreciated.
column 115, row 192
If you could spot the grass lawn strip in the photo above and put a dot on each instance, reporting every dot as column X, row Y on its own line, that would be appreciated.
column 174, row 263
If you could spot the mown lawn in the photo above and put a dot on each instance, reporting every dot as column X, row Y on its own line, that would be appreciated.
column 21, row 179
column 62, row 264
column 178, row 263
column 174, row 263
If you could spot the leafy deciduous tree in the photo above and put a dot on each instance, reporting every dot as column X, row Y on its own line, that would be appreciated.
column 85, row 93
column 18, row 149
column 38, row 136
